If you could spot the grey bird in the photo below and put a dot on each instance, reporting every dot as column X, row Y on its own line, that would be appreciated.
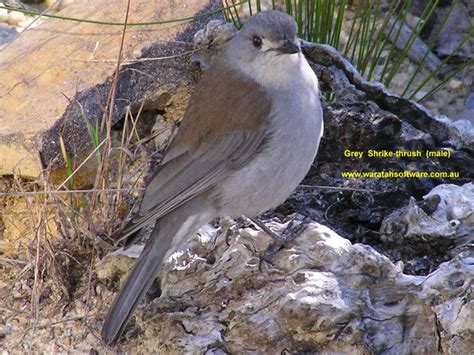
column 249, row 136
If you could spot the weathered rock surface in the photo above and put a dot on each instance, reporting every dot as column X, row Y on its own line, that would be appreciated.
column 54, row 71
column 322, row 294
column 458, row 26
column 7, row 33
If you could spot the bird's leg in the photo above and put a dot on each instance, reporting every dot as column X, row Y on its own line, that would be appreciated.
column 263, row 227
column 291, row 232
column 239, row 223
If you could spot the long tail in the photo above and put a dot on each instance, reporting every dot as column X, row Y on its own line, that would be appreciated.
column 138, row 282
column 169, row 233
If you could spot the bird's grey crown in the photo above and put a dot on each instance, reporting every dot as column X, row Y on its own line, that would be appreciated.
column 273, row 25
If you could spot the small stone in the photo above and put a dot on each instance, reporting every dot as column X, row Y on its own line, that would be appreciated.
column 27, row 22
column 163, row 129
column 420, row 94
column 52, row 4
column 14, row 17
column 412, row 21
column 3, row 15
column 455, row 84
column 470, row 102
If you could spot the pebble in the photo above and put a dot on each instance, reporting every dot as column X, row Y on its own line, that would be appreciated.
column 419, row 95
column 3, row 15
column 57, row 5
column 28, row 20
column 14, row 17
column 455, row 84
column 470, row 102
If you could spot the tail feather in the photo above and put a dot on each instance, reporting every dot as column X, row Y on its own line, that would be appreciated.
column 138, row 282
column 169, row 233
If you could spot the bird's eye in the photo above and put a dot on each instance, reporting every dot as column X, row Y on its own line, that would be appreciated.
column 257, row 41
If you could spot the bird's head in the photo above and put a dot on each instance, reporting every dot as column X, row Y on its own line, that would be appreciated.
column 267, row 43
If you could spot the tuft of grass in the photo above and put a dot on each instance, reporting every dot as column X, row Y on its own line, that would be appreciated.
column 369, row 28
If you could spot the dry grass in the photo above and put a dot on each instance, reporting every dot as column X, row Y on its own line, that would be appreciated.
column 48, row 274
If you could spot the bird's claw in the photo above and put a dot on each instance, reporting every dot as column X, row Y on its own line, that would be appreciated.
column 291, row 232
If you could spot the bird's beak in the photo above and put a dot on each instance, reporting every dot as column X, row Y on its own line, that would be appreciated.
column 289, row 47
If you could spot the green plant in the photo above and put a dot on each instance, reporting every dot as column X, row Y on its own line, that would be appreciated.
column 68, row 161
column 367, row 37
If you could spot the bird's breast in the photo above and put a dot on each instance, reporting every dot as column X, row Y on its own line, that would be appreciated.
column 295, row 128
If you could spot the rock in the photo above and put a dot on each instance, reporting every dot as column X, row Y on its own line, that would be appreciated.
column 401, row 34
column 457, row 27
column 162, row 131
column 455, row 84
column 445, row 213
column 14, row 17
column 7, row 33
column 3, row 15
column 321, row 293
column 210, row 40
column 467, row 124
column 470, row 101
column 56, row 70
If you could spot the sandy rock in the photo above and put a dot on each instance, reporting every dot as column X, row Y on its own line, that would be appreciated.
column 61, row 66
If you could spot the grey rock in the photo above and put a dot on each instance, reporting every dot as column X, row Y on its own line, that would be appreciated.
column 322, row 292
column 470, row 102
column 7, row 33
column 210, row 40
column 457, row 27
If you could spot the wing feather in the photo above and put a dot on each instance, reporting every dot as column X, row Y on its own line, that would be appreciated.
column 224, row 126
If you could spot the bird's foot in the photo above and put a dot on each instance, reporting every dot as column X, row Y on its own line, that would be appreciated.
column 291, row 232
column 239, row 224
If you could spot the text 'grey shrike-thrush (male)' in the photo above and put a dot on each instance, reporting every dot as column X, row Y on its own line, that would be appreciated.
column 248, row 137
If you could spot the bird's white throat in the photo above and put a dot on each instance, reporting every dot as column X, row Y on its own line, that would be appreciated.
column 280, row 72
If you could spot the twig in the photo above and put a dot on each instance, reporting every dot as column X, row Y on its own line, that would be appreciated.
column 13, row 261
column 336, row 188
column 108, row 23
column 80, row 165
column 131, row 61
column 56, row 192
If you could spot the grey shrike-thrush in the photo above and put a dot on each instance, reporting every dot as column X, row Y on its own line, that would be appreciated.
column 248, row 137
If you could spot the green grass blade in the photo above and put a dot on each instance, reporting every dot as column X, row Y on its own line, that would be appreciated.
column 349, row 37
column 380, row 42
column 443, row 64
column 430, row 47
column 427, row 13
column 370, row 38
column 341, row 11
column 289, row 7
column 445, row 80
column 400, row 17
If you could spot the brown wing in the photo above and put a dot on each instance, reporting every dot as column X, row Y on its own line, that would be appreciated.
column 222, row 128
